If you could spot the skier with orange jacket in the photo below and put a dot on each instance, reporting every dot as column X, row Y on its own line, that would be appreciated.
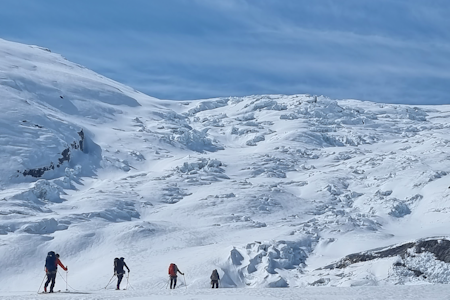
column 173, row 270
column 51, row 267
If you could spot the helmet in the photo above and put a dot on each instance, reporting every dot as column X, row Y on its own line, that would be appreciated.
column 122, row 258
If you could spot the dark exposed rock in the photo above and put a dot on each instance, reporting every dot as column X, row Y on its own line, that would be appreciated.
column 81, row 143
column 35, row 172
column 65, row 156
column 399, row 264
column 416, row 272
column 439, row 247
column 35, row 125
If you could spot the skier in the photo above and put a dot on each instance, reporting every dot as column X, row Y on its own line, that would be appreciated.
column 215, row 279
column 51, row 267
column 173, row 270
column 119, row 271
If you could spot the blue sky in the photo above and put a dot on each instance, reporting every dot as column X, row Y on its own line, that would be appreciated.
column 395, row 51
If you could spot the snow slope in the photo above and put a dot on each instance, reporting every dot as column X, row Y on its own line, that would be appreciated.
column 417, row 292
column 267, row 189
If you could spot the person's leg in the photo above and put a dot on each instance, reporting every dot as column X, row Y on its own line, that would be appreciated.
column 52, row 284
column 171, row 282
column 119, row 280
column 174, row 282
column 47, row 282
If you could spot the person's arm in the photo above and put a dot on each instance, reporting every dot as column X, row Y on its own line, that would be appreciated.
column 180, row 271
column 126, row 267
column 60, row 263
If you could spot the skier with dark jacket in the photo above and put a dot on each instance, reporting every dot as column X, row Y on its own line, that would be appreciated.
column 215, row 279
column 119, row 271
column 173, row 270
column 51, row 267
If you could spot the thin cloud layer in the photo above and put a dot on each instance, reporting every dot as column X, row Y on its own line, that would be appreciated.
column 386, row 51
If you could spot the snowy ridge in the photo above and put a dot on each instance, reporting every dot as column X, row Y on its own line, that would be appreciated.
column 267, row 189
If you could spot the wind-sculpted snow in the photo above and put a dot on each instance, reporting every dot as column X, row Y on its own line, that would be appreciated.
column 45, row 226
column 208, row 105
column 208, row 165
column 289, row 184
column 43, row 190
column 259, row 263
column 178, row 131
column 265, row 102
column 277, row 166
column 172, row 194
column 124, row 212
column 255, row 140
column 195, row 140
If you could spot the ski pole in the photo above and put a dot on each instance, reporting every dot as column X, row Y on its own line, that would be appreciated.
column 42, row 283
column 129, row 285
column 109, row 281
column 67, row 283
column 184, row 281
column 128, row 280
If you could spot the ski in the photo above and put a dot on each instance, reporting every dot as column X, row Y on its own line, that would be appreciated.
column 58, row 291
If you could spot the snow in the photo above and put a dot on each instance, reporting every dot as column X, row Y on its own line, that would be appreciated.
column 316, row 293
column 267, row 189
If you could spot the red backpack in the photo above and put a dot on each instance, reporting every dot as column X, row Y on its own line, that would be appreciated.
column 173, row 270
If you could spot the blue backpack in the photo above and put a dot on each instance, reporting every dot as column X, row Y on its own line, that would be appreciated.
column 50, row 262
column 118, row 265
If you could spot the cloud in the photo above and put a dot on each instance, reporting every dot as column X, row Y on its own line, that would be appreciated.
column 388, row 51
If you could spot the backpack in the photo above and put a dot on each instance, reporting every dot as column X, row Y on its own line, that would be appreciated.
column 50, row 262
column 215, row 275
column 173, row 270
column 118, row 264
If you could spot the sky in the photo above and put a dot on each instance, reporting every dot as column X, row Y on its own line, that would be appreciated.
column 392, row 51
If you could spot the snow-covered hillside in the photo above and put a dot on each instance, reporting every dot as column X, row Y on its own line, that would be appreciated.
column 267, row 189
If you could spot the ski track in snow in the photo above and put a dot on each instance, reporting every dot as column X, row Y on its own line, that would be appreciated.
column 268, row 189
column 323, row 293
